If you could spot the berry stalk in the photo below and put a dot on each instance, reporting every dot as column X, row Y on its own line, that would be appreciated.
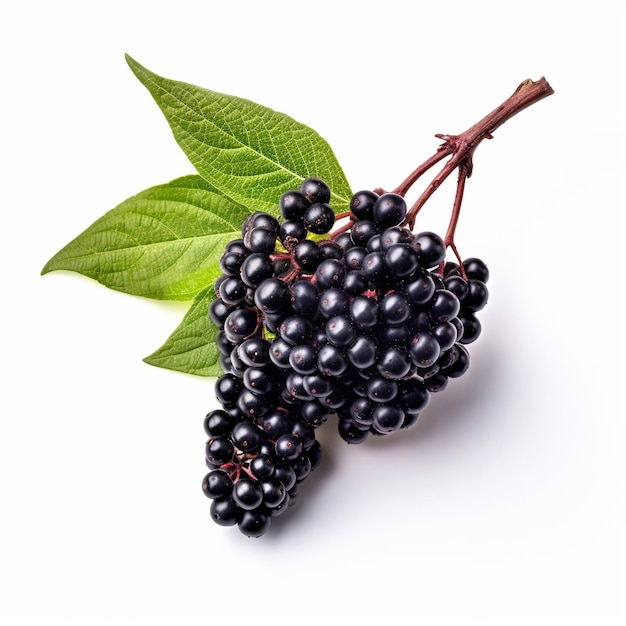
column 461, row 147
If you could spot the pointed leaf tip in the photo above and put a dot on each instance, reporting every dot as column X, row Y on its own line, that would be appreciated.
column 273, row 152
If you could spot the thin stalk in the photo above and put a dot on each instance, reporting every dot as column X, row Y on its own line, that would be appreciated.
column 461, row 147
column 464, row 173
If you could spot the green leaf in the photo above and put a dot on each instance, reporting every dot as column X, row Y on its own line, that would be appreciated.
column 164, row 243
column 249, row 152
column 192, row 347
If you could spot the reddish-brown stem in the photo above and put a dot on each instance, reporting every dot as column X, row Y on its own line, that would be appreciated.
column 238, row 465
column 464, row 172
column 343, row 215
column 341, row 229
column 442, row 152
column 456, row 208
column 292, row 275
column 448, row 168
column 279, row 256
column 461, row 147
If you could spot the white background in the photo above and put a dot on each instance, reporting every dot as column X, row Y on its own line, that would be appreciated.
column 504, row 505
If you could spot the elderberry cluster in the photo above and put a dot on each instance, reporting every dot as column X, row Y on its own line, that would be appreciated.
column 365, row 324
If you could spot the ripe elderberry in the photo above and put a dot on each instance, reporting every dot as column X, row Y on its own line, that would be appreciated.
column 363, row 325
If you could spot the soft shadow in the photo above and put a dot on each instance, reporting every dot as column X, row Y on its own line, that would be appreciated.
column 457, row 407
column 461, row 406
